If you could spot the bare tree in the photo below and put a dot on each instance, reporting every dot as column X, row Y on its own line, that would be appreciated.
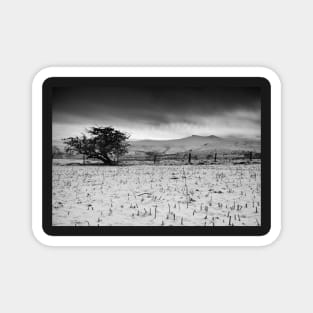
column 103, row 143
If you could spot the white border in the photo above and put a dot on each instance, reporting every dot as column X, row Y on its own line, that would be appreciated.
column 156, row 72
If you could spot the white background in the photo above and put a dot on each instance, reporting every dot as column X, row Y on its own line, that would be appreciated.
column 36, row 34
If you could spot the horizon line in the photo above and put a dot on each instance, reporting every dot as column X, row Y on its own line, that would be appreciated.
column 167, row 139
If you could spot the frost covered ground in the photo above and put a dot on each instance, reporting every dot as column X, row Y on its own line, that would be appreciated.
column 155, row 195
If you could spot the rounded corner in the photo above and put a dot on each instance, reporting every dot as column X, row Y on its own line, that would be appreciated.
column 270, row 76
column 271, row 236
column 41, row 236
column 42, row 76
column 48, row 81
column 41, row 232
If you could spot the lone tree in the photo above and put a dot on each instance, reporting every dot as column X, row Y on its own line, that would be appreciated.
column 103, row 143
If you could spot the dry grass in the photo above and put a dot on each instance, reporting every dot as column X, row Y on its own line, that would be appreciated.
column 203, row 195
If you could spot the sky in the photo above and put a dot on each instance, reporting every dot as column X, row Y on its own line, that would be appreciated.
column 158, row 112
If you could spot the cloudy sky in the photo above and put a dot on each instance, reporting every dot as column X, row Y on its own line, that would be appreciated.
column 158, row 112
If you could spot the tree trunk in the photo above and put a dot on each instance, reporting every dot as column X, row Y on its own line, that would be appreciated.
column 104, row 158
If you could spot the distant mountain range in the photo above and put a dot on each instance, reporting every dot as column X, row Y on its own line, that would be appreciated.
column 198, row 145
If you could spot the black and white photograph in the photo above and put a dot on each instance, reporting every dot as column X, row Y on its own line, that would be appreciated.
column 156, row 155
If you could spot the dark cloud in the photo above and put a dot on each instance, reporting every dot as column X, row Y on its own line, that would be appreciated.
column 157, row 105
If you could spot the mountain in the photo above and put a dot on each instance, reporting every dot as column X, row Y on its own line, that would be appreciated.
column 198, row 144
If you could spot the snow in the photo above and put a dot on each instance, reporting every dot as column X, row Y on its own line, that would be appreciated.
column 155, row 195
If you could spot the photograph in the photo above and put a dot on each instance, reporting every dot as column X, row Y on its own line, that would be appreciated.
column 156, row 153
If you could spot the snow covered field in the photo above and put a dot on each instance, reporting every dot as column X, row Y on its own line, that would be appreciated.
column 148, row 195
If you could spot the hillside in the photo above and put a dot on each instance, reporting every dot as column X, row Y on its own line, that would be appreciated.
column 201, row 144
